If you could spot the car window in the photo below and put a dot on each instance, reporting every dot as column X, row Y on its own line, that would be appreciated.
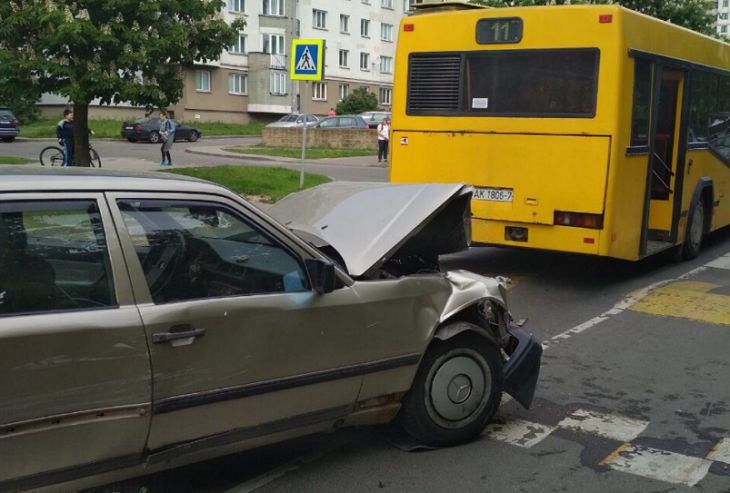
column 6, row 115
column 288, row 118
column 328, row 123
column 311, row 118
column 347, row 122
column 53, row 256
column 192, row 250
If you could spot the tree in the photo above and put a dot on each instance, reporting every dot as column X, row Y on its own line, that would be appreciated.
column 360, row 100
column 19, row 96
column 112, row 50
column 692, row 14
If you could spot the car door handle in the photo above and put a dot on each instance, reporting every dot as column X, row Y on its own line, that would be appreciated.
column 162, row 337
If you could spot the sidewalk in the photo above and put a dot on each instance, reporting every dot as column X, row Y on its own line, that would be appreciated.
column 216, row 151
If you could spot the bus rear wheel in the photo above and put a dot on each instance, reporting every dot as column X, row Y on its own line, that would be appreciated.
column 695, row 230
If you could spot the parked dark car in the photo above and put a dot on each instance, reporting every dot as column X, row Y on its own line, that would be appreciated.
column 342, row 121
column 148, row 129
column 373, row 118
column 9, row 125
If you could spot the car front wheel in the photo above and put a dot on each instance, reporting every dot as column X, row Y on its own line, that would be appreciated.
column 193, row 137
column 154, row 137
column 456, row 391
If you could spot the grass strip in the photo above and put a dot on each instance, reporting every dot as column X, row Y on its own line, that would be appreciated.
column 312, row 153
column 16, row 160
column 108, row 128
column 262, row 183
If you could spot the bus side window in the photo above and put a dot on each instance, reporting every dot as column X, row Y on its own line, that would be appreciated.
column 642, row 101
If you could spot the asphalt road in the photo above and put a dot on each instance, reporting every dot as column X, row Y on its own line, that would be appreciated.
column 118, row 151
column 633, row 394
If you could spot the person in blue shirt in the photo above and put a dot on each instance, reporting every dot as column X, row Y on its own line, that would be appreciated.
column 167, row 133
column 65, row 134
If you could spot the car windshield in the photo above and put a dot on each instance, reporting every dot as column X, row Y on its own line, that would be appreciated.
column 288, row 118
column 6, row 115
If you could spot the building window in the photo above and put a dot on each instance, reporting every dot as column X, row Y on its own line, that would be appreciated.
column 273, row 7
column 386, row 32
column 364, row 61
column 237, row 6
column 202, row 80
column 725, row 3
column 319, row 19
column 278, row 83
column 237, row 84
column 319, row 91
column 364, row 28
column 272, row 44
column 239, row 47
column 386, row 4
column 344, row 55
column 344, row 23
column 344, row 91
column 385, row 96
column 723, row 29
column 386, row 65
column 723, row 16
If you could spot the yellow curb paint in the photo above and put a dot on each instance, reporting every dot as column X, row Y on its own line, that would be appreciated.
column 690, row 300
column 614, row 455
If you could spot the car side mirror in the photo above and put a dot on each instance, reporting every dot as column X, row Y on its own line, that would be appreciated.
column 322, row 274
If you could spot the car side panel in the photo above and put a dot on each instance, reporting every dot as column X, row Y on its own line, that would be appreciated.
column 75, row 385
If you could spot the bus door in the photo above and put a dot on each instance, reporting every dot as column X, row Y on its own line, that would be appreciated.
column 665, row 154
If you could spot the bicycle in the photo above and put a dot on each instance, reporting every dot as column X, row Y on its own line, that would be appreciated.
column 53, row 156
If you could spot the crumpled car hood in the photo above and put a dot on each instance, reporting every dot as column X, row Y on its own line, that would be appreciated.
column 370, row 223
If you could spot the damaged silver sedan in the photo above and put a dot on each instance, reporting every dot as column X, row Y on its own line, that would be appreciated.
column 151, row 321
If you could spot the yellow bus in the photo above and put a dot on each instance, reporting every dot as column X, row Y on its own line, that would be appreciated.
column 586, row 129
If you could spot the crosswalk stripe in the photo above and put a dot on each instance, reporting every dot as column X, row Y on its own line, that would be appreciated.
column 518, row 432
column 656, row 464
column 720, row 263
column 721, row 451
column 610, row 426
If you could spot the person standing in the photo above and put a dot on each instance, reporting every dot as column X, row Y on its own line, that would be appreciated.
column 65, row 135
column 383, row 139
column 331, row 112
column 167, row 134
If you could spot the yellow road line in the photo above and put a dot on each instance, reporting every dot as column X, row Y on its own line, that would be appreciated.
column 690, row 300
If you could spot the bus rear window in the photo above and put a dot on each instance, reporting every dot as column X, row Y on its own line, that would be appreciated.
column 532, row 83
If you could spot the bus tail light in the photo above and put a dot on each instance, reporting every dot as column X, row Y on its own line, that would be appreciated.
column 605, row 19
column 409, row 27
column 578, row 220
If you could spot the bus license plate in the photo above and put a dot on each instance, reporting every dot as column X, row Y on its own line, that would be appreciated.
column 494, row 194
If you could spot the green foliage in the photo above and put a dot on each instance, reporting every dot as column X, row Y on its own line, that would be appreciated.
column 358, row 101
column 114, row 50
column 263, row 183
column 16, row 160
column 692, row 14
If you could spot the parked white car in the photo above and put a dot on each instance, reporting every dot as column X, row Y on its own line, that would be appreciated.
column 294, row 120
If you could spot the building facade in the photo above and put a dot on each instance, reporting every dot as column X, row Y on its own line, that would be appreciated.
column 360, row 38
column 723, row 17
column 251, row 80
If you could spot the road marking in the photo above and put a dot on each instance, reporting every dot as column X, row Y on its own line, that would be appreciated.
column 610, row 426
column 720, row 452
column 518, row 432
column 720, row 263
column 689, row 300
column 656, row 464
column 618, row 308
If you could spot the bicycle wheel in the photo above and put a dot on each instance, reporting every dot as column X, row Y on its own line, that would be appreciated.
column 95, row 160
column 51, row 156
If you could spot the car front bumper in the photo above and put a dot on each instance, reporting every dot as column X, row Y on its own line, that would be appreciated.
column 523, row 367
column 9, row 132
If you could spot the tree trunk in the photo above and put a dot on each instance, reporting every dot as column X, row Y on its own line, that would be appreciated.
column 81, row 134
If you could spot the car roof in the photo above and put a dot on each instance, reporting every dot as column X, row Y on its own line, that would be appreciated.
column 15, row 179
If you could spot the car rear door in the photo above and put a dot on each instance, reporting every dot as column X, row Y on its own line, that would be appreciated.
column 75, row 385
column 241, row 345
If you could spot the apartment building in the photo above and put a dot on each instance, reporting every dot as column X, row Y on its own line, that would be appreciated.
column 723, row 17
column 360, row 38
column 251, row 79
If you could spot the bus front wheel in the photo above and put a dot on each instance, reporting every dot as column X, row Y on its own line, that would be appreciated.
column 695, row 230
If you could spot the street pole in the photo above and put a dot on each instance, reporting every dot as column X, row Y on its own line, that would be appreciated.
column 303, row 99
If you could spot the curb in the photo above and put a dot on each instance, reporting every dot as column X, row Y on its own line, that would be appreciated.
column 278, row 160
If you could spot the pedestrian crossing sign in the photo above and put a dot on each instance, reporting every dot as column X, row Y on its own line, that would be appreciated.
column 307, row 61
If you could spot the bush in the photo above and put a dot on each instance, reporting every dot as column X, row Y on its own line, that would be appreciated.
column 360, row 100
